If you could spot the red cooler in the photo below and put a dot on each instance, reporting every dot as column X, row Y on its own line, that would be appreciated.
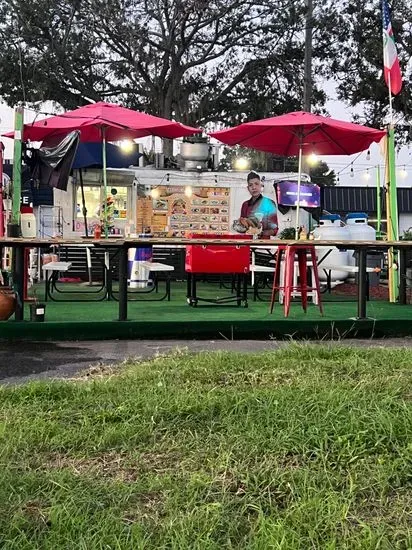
column 217, row 258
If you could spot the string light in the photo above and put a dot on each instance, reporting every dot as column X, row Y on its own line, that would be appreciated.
column 368, row 155
column 188, row 191
column 403, row 173
column 367, row 175
column 352, row 173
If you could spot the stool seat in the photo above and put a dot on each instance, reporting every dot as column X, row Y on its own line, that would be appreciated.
column 287, row 286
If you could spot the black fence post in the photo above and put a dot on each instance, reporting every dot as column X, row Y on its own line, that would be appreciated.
column 18, row 279
column 402, row 276
column 362, row 283
column 123, row 283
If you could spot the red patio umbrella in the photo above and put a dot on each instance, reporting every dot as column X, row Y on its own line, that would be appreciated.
column 301, row 133
column 113, row 121
column 105, row 122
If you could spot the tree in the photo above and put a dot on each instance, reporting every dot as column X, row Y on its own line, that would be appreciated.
column 219, row 61
column 356, row 59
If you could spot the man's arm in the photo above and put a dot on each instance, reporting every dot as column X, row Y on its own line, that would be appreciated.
column 270, row 219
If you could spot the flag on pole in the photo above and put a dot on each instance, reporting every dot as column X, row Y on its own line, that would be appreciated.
column 391, row 67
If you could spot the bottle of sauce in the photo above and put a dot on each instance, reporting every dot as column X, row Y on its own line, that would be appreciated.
column 97, row 232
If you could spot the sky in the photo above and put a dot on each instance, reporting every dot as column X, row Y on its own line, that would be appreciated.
column 364, row 171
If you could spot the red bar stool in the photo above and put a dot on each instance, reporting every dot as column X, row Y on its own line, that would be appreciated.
column 287, row 286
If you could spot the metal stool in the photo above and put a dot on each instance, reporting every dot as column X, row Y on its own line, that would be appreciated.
column 287, row 286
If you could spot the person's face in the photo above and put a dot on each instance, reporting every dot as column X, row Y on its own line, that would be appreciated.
column 255, row 187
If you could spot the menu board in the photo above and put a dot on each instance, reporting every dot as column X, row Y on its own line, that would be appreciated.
column 206, row 210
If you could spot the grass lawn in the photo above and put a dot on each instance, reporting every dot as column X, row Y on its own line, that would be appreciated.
column 304, row 447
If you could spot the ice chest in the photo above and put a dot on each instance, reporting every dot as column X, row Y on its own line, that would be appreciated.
column 213, row 258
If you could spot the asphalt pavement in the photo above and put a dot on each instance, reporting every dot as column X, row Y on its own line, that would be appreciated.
column 22, row 362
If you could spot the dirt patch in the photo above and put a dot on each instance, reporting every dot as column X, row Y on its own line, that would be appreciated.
column 379, row 292
column 116, row 466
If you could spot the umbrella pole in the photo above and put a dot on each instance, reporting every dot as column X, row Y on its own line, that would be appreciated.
column 298, row 197
column 106, row 229
column 84, row 209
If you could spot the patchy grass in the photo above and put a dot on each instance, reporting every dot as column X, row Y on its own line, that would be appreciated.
column 304, row 447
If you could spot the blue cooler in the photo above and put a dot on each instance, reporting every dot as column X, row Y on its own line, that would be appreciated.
column 138, row 273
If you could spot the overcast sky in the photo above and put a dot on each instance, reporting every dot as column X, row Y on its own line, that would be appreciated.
column 341, row 164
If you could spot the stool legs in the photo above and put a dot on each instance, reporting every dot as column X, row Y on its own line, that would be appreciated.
column 276, row 278
column 303, row 278
column 287, row 285
column 289, row 272
column 316, row 277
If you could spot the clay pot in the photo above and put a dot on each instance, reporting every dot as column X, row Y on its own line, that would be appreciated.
column 7, row 303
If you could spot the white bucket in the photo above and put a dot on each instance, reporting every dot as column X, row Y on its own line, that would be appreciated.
column 28, row 225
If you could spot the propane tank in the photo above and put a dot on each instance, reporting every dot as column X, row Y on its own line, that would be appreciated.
column 330, row 229
column 359, row 230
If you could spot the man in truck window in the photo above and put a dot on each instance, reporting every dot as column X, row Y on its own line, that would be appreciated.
column 258, row 211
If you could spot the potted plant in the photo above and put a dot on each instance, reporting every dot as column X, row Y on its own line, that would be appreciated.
column 7, row 299
column 288, row 234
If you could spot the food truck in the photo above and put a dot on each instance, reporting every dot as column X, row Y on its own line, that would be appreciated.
column 164, row 203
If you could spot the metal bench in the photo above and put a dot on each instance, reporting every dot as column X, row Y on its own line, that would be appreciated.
column 51, row 278
column 154, row 268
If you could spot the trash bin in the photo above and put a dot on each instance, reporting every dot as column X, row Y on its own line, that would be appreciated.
column 37, row 312
column 138, row 276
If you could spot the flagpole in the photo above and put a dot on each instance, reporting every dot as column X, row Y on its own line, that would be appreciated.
column 392, row 75
column 393, row 224
column 393, row 205
column 378, row 202
column 390, row 100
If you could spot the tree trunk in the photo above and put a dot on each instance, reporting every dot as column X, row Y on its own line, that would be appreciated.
column 167, row 147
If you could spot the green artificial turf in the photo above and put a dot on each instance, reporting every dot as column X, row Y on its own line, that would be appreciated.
column 304, row 447
column 82, row 320
column 178, row 309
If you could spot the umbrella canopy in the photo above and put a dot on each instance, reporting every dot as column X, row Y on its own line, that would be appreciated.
column 104, row 122
column 301, row 132
column 116, row 121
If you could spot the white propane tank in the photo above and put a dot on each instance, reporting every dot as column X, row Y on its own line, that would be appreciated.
column 330, row 229
column 28, row 223
column 359, row 230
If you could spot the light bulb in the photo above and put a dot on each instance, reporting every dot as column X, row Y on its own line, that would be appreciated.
column 155, row 193
column 368, row 155
column 313, row 159
column 188, row 191
column 126, row 145
column 352, row 174
column 403, row 173
column 367, row 175
column 241, row 163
